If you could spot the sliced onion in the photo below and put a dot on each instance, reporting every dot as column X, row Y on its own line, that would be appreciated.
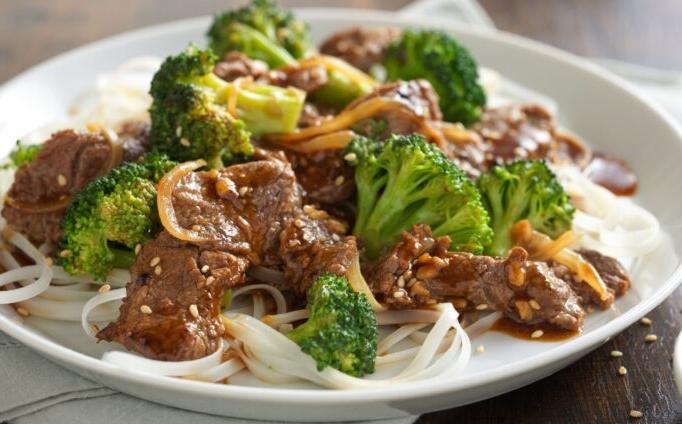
column 358, row 283
column 167, row 368
column 41, row 207
column 332, row 141
column 164, row 201
column 93, row 303
column 333, row 64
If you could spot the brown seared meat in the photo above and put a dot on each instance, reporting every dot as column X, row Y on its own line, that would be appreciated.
column 307, row 79
column 419, row 270
column 242, row 207
column 41, row 191
column 312, row 243
column 171, row 311
column 609, row 269
column 235, row 65
column 324, row 175
column 362, row 47
column 314, row 115
column 133, row 138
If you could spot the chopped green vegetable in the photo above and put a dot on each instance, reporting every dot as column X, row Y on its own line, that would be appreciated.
column 405, row 181
column 341, row 331
column 525, row 189
column 437, row 57
column 23, row 153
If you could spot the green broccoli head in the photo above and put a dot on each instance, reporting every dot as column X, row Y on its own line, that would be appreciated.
column 525, row 189
column 261, row 30
column 341, row 331
column 23, row 154
column 191, row 117
column 405, row 181
column 449, row 67
column 111, row 216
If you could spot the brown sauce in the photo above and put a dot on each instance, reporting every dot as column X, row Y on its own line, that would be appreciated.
column 515, row 329
column 612, row 174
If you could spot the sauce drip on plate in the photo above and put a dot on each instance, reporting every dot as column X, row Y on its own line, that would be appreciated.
column 518, row 330
column 613, row 174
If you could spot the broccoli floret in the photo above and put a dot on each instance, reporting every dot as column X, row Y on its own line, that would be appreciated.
column 449, row 67
column 111, row 216
column 405, row 181
column 265, row 32
column 261, row 30
column 23, row 154
column 525, row 189
column 190, row 111
column 341, row 331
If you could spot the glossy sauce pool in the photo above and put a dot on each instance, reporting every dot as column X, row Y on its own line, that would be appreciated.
column 522, row 331
column 613, row 174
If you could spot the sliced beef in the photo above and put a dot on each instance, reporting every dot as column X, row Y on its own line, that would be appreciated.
column 133, row 138
column 420, row 271
column 171, row 311
column 324, row 175
column 235, row 65
column 307, row 79
column 313, row 115
column 609, row 269
column 362, row 47
column 41, row 191
column 312, row 243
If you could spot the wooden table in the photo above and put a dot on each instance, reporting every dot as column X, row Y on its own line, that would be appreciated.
column 646, row 32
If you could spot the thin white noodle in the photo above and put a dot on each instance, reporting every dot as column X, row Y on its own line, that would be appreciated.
column 97, row 300
column 37, row 286
column 397, row 336
column 66, row 310
column 220, row 372
column 167, row 368
column 258, row 305
column 277, row 295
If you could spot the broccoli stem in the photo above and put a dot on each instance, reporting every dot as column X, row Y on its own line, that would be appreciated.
column 123, row 258
column 258, row 46
column 339, row 91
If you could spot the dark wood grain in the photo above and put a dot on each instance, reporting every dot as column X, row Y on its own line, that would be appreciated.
column 640, row 31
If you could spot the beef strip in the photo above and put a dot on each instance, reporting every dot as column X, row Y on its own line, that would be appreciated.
column 362, row 47
column 313, row 115
column 157, row 317
column 324, row 175
column 419, row 270
column 235, row 65
column 311, row 243
column 133, row 137
column 609, row 269
column 307, row 79
column 68, row 161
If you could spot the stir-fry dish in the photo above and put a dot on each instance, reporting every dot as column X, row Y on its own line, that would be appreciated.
column 351, row 215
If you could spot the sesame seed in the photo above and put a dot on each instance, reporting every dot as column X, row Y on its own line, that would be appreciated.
column 534, row 304
column 350, row 157
column 339, row 180
column 243, row 190
column 184, row 142
column 482, row 307
column 299, row 223
column 616, row 353
column 145, row 309
column 157, row 270
column 645, row 321
column 23, row 311
column 196, row 227
column 401, row 281
column 210, row 280
column 104, row 289
column 205, row 269
column 61, row 180
column 138, row 247
column 65, row 253
column 622, row 370
column 336, row 237
column 178, row 131
column 49, row 261
column 650, row 338
column 636, row 414
column 155, row 261
column 480, row 349
column 537, row 334
column 398, row 294
column 194, row 310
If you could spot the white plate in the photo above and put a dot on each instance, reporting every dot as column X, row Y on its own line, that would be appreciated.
column 594, row 104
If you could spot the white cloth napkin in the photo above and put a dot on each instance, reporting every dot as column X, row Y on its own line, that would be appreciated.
column 33, row 390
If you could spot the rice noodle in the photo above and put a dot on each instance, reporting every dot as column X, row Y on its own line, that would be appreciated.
column 267, row 275
column 277, row 295
column 168, row 368
column 272, row 356
column 164, row 201
column 96, row 301
column 43, row 272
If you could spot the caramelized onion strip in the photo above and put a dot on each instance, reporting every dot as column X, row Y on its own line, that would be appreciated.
column 334, row 64
column 40, row 207
column 164, row 202
column 332, row 141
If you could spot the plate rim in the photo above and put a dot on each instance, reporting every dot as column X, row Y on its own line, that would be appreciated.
column 63, row 354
